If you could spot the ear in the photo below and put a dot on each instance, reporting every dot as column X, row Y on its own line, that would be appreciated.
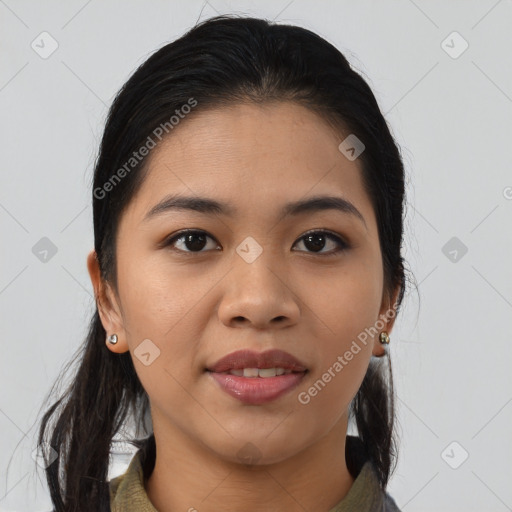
column 108, row 307
column 387, row 315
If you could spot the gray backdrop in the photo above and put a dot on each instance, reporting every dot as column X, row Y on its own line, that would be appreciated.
column 441, row 71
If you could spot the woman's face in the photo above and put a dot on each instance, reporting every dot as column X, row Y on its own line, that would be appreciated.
column 255, row 277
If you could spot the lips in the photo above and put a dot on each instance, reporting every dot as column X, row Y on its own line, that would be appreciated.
column 249, row 359
column 257, row 378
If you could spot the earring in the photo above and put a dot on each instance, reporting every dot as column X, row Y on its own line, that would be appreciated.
column 112, row 339
column 384, row 338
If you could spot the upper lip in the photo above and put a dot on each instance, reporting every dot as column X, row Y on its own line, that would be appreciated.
column 250, row 359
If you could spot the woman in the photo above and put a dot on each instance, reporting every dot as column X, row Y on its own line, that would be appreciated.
column 248, row 202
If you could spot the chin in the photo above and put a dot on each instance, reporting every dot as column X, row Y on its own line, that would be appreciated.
column 258, row 451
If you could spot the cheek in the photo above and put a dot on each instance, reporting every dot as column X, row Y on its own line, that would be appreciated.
column 348, row 307
column 347, row 303
column 160, row 315
column 334, row 386
column 154, row 299
column 343, row 356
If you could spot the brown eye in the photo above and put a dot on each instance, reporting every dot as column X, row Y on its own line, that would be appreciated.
column 316, row 241
column 190, row 241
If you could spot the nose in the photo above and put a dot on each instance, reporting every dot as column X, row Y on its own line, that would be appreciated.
column 258, row 296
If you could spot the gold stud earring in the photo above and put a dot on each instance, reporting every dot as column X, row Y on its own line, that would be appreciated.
column 384, row 338
column 112, row 339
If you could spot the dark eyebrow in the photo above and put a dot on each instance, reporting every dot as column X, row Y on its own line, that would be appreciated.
column 211, row 206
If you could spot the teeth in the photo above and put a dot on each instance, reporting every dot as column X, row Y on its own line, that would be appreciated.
column 267, row 372
column 250, row 372
column 259, row 372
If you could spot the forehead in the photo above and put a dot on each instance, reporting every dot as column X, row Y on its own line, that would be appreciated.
column 249, row 154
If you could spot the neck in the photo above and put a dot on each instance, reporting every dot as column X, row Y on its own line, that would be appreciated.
column 189, row 477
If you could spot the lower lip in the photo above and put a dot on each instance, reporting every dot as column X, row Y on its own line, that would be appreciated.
column 257, row 390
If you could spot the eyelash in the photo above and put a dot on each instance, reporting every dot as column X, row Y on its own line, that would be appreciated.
column 342, row 244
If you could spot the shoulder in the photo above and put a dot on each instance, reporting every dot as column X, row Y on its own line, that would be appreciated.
column 127, row 492
column 366, row 493
column 389, row 504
